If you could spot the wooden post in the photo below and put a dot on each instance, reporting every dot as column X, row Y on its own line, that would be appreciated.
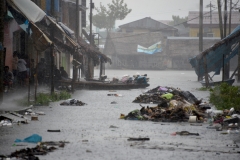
column 36, row 79
column 238, row 75
column 52, row 51
column 230, row 18
column 200, row 34
column 90, row 61
column 220, row 18
column 225, row 66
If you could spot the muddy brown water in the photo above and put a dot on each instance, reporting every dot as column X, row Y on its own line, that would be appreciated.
column 88, row 130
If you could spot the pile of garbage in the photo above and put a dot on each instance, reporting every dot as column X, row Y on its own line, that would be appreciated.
column 173, row 105
column 72, row 102
column 176, row 105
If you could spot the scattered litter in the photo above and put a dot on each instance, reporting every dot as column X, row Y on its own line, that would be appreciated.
column 35, row 138
column 56, row 130
column 232, row 145
column 34, row 118
column 73, row 102
column 195, row 124
column 113, row 126
column 42, row 148
column 6, row 122
column 116, row 95
column 138, row 139
column 113, row 102
column 13, row 118
column 185, row 133
column 84, row 140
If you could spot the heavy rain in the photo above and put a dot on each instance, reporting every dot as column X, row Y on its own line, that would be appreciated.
column 119, row 79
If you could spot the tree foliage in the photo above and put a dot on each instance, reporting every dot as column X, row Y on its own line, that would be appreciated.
column 106, row 16
column 178, row 20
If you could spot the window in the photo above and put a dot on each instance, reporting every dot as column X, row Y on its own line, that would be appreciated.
column 210, row 34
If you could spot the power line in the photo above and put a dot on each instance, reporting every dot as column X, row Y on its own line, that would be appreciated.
column 159, row 29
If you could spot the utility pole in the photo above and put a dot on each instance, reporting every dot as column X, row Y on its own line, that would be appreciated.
column 1, row 48
column 225, row 19
column 77, row 37
column 210, row 6
column 220, row 18
column 230, row 17
column 90, row 61
column 225, row 66
column 200, row 34
column 52, row 50
column 90, row 34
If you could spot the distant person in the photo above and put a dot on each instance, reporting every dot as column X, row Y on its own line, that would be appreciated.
column 22, row 72
column 64, row 74
column 15, row 63
column 7, row 77
column 32, row 71
column 57, row 75
column 41, row 70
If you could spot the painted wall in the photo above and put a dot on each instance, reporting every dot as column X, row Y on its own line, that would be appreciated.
column 193, row 32
column 9, row 28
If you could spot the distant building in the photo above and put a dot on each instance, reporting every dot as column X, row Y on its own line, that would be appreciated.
column 210, row 25
column 148, row 25
column 180, row 49
column 122, row 49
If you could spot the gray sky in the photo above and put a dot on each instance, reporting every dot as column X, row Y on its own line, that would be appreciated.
column 158, row 9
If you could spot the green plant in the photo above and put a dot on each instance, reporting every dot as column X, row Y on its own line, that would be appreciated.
column 225, row 96
column 203, row 89
column 45, row 98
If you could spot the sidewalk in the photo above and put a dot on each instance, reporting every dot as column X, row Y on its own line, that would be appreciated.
column 9, row 105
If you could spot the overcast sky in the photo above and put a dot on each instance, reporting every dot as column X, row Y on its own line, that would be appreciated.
column 158, row 9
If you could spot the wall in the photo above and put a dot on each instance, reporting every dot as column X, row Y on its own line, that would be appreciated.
column 193, row 32
column 9, row 28
column 180, row 49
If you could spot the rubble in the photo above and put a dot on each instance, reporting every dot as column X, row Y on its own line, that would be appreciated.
column 42, row 148
column 175, row 105
column 73, row 102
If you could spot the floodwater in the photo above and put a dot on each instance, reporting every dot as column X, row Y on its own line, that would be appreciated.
column 87, row 128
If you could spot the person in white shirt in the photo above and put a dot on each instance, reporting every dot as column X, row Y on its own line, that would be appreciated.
column 22, row 71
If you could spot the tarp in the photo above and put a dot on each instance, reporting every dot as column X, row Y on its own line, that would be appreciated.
column 29, row 9
column 150, row 50
column 227, row 48
column 18, row 11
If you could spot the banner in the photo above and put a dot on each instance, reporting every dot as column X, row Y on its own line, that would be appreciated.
column 150, row 50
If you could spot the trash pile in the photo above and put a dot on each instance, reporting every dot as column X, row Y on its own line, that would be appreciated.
column 11, row 118
column 176, row 105
column 173, row 105
column 73, row 102
column 41, row 148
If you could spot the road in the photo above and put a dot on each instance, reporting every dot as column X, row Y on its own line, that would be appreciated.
column 88, row 130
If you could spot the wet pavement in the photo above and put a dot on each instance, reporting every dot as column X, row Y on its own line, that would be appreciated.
column 96, row 132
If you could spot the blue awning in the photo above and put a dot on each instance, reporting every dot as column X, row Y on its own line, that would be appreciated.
column 227, row 48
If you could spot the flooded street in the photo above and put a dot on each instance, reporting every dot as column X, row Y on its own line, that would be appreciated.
column 88, row 130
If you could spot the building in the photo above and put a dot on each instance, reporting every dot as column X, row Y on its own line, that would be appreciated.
column 148, row 25
column 122, row 48
column 210, row 23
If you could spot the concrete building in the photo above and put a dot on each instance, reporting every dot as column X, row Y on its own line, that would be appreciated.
column 210, row 23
